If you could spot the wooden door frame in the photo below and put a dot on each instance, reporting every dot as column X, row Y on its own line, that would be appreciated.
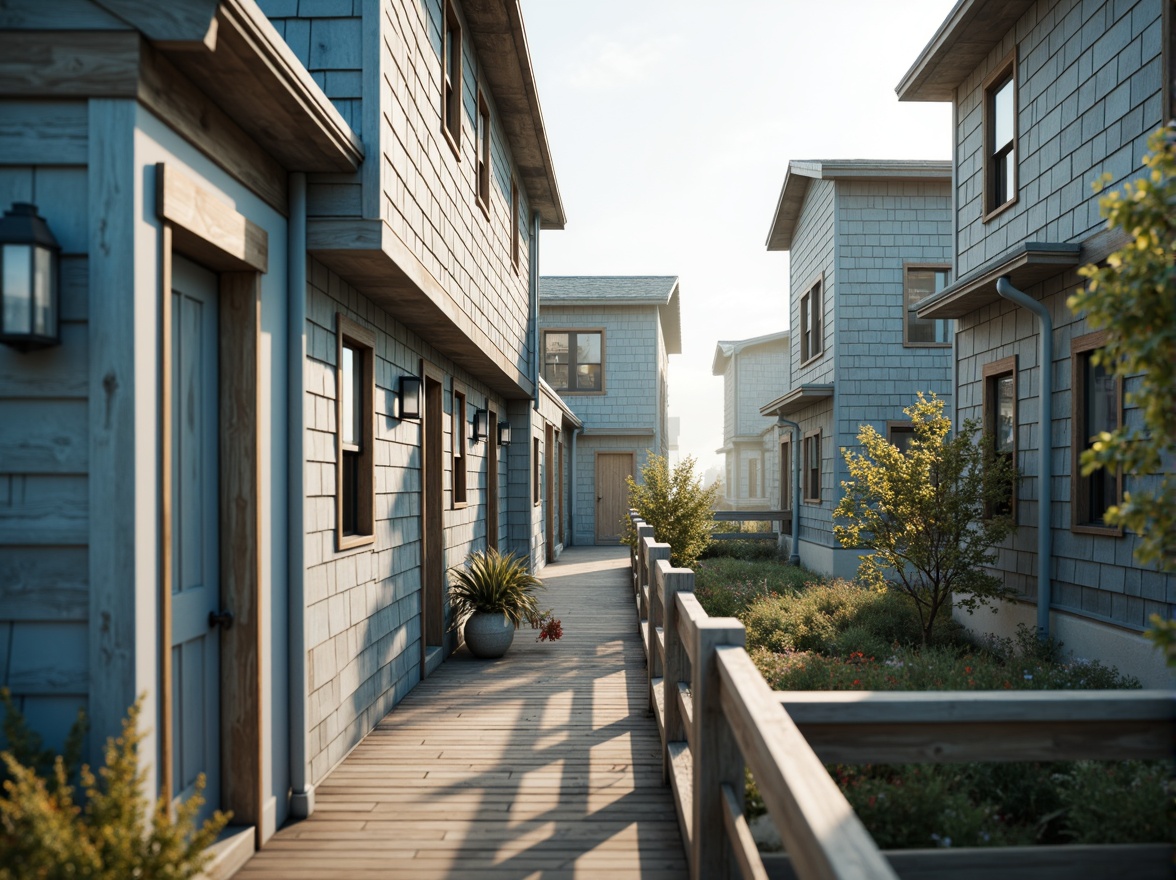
column 492, row 493
column 632, row 453
column 549, row 434
column 432, row 510
column 199, row 225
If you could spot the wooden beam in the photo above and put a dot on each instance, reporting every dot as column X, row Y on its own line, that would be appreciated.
column 1110, row 862
column 61, row 64
column 180, row 23
column 948, row 727
column 173, row 98
column 207, row 228
column 240, row 546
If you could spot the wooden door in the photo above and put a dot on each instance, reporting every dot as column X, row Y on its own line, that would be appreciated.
column 433, row 573
column 195, row 645
column 612, row 494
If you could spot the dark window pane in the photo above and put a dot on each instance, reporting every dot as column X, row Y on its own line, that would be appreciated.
column 349, row 491
column 588, row 377
column 902, row 436
column 1101, row 406
column 1004, row 429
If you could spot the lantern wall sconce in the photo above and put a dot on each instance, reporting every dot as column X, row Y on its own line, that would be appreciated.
column 481, row 425
column 410, row 397
column 504, row 433
column 28, row 280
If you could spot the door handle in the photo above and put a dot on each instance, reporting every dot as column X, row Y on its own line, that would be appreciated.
column 599, row 498
column 224, row 620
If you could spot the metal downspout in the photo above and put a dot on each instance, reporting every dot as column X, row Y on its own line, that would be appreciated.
column 533, row 289
column 1044, row 449
column 794, row 556
column 302, row 794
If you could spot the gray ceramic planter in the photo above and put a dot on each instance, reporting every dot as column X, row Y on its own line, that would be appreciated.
column 488, row 635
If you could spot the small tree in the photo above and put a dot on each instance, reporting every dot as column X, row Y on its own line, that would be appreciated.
column 1133, row 298
column 675, row 504
column 922, row 513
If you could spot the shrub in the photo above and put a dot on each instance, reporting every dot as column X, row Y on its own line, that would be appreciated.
column 675, row 504
column 1123, row 802
column 726, row 586
column 741, row 549
column 817, row 618
column 921, row 514
column 45, row 833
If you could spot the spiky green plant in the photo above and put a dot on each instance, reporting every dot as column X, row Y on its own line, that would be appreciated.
column 495, row 584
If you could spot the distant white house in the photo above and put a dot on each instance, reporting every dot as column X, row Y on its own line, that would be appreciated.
column 753, row 370
column 868, row 241
column 606, row 342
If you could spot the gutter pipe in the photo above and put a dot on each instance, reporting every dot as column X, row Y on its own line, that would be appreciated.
column 302, row 794
column 1004, row 287
column 794, row 556
column 533, row 289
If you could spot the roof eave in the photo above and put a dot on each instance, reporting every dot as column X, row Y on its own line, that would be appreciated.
column 797, row 399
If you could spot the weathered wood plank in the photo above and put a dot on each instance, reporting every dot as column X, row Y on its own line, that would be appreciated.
column 69, row 63
column 51, row 133
column 59, row 372
column 36, row 15
column 44, row 584
column 44, row 437
column 207, row 227
column 48, row 658
column 44, row 510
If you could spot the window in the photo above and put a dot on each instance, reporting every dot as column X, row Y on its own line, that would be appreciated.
column 1000, row 137
column 920, row 282
column 786, row 475
column 900, row 434
column 812, row 468
column 451, row 80
column 1097, row 396
column 573, row 360
column 354, row 471
column 1000, row 419
column 535, row 496
column 483, row 145
column 753, row 479
column 514, row 224
column 811, row 315
column 457, row 429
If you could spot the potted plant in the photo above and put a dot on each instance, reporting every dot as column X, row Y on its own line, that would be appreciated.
column 492, row 594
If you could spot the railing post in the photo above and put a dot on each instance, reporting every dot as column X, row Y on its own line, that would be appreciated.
column 652, row 612
column 643, row 531
column 715, row 753
column 636, row 520
column 677, row 661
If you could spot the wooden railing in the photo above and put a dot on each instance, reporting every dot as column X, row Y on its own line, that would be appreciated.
column 717, row 715
column 781, row 518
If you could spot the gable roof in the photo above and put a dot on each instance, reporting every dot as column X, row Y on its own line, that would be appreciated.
column 801, row 172
column 619, row 290
column 962, row 42
column 728, row 348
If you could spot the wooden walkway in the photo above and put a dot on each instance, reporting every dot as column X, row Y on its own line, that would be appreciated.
column 541, row 765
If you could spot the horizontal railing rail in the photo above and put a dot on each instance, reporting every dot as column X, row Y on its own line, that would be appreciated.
column 717, row 715
column 781, row 520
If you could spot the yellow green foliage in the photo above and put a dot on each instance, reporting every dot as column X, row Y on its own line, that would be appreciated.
column 675, row 504
column 46, row 834
column 921, row 514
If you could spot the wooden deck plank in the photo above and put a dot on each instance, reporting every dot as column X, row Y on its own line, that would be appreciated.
column 542, row 764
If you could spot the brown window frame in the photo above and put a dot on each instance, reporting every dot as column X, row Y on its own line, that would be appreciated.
column 786, row 473
column 514, row 225
column 807, row 469
column 349, row 334
column 1004, row 72
column 570, row 332
column 451, row 83
column 1081, row 347
column 908, row 310
column 459, row 451
column 536, row 495
column 482, row 148
column 812, row 321
column 990, row 374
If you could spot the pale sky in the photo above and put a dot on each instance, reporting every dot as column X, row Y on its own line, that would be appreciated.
column 671, row 124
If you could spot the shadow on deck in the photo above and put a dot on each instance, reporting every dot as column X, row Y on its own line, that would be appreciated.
column 544, row 764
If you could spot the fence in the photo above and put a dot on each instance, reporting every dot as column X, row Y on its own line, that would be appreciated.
column 781, row 518
column 716, row 715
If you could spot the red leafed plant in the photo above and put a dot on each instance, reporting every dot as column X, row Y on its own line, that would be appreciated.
column 550, row 628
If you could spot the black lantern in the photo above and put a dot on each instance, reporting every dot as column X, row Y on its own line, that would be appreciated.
column 410, row 397
column 504, row 433
column 481, row 424
column 28, row 279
